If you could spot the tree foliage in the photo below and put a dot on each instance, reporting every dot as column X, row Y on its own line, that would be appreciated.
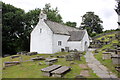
column 92, row 23
column 118, row 5
column 17, row 26
column 12, row 28
column 52, row 14
column 71, row 24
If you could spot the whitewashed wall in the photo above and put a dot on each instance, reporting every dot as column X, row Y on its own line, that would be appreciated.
column 79, row 45
column 58, row 37
column 41, row 42
column 75, row 45
column 119, row 21
column 85, row 39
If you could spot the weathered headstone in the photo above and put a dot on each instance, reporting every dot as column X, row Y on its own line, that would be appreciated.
column 51, row 61
column 7, row 64
column 47, row 71
column 60, row 56
column 31, row 53
column 118, row 51
column 117, row 68
column 116, row 59
column 69, row 58
column 76, row 56
column 38, row 58
column 60, row 71
column 15, row 56
column 106, row 55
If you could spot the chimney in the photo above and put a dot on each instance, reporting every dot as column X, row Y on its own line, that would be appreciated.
column 42, row 16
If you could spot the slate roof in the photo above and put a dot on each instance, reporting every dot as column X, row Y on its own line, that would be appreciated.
column 75, row 34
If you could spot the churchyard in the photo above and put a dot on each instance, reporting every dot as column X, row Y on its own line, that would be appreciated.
column 109, row 55
column 34, row 66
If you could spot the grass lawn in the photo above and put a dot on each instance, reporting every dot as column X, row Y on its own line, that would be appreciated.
column 31, row 69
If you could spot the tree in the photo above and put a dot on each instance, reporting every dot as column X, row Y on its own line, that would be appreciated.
column 71, row 24
column 118, row 6
column 52, row 14
column 91, row 23
column 118, row 10
column 17, row 26
column 12, row 29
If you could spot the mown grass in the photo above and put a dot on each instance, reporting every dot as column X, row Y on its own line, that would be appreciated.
column 31, row 69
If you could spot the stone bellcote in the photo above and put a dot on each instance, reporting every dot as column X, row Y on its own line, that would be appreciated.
column 42, row 16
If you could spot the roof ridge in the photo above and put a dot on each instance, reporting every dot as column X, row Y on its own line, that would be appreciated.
column 62, row 24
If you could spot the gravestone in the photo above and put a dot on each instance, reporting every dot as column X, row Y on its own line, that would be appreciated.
column 31, row 53
column 111, row 50
column 69, row 57
column 106, row 55
column 7, row 64
column 117, row 68
column 73, row 56
column 60, row 56
column 22, row 53
column 96, row 51
column 47, row 71
column 60, row 71
column 51, row 61
column 38, row 58
column 76, row 56
column 118, row 51
column 116, row 59
column 15, row 56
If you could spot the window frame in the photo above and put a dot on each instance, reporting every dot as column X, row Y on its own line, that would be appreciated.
column 59, row 43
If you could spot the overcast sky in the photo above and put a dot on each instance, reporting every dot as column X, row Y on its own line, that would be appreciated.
column 72, row 10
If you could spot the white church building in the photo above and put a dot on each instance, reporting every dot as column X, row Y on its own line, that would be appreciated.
column 49, row 37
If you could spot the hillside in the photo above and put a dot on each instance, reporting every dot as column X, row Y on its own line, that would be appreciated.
column 114, row 43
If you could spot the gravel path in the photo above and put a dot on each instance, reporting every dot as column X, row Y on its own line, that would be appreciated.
column 98, row 68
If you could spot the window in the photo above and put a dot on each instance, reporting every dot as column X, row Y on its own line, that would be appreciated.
column 40, row 30
column 59, row 43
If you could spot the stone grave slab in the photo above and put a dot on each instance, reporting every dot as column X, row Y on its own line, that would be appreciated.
column 85, row 73
column 84, row 66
